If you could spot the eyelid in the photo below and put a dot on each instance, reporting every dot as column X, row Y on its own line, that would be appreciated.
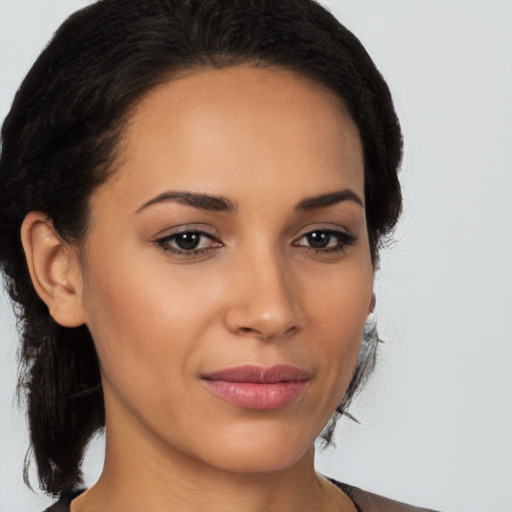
column 345, row 238
column 185, row 228
column 331, row 227
column 165, row 239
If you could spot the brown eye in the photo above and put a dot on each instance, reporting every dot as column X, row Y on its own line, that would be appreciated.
column 318, row 239
column 325, row 240
column 188, row 241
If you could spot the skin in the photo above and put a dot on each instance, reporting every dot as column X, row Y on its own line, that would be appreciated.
column 258, row 292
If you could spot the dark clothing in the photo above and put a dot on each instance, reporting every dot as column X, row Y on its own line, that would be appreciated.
column 364, row 501
column 65, row 501
column 369, row 502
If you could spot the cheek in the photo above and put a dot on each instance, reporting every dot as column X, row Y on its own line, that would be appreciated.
column 146, row 325
column 340, row 301
column 144, row 320
column 340, row 308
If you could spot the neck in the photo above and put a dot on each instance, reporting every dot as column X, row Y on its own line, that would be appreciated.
column 137, row 484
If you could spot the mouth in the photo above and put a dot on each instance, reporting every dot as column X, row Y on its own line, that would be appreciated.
column 258, row 388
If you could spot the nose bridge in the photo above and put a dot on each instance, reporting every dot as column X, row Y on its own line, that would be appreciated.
column 265, row 301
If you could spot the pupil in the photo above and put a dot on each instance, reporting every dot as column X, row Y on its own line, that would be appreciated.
column 187, row 241
column 318, row 239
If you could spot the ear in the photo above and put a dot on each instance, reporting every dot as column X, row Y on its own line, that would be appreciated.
column 54, row 269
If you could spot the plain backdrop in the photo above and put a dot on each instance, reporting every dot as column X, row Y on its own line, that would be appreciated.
column 436, row 420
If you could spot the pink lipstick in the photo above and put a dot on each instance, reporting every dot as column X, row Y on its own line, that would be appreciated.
column 258, row 387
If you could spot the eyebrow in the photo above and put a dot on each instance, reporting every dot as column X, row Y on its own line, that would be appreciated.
column 222, row 204
column 201, row 201
column 330, row 199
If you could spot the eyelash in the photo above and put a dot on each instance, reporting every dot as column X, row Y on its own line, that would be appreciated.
column 165, row 243
column 344, row 240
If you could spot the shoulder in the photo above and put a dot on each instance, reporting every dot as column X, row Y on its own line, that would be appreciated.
column 369, row 502
column 64, row 502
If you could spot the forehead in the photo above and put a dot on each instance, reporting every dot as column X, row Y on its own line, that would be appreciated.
column 208, row 128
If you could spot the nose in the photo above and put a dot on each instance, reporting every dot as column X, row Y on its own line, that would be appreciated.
column 263, row 299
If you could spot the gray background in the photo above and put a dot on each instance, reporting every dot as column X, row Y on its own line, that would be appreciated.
column 436, row 419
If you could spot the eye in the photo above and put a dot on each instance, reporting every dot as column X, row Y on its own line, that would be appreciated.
column 325, row 240
column 188, row 243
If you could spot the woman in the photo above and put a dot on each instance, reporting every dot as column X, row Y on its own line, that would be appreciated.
column 201, row 188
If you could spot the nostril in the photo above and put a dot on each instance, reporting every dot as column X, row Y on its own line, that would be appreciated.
column 245, row 330
column 291, row 330
column 248, row 331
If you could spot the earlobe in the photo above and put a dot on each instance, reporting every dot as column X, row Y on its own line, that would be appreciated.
column 54, row 269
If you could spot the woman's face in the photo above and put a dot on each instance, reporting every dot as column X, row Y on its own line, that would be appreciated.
column 231, row 241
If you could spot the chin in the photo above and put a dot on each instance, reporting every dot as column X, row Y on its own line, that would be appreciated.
column 259, row 450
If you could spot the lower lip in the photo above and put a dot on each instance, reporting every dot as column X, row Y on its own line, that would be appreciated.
column 264, row 396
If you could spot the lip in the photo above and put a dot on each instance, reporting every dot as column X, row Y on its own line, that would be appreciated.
column 257, row 387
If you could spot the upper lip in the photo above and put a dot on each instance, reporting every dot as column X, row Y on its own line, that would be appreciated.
column 259, row 374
